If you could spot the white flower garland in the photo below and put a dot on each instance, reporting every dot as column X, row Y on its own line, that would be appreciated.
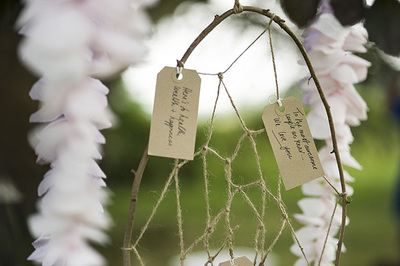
column 69, row 43
column 330, row 47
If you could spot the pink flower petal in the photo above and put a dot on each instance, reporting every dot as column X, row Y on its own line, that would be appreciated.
column 345, row 74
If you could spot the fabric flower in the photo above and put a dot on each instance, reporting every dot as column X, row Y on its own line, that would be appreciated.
column 69, row 44
column 330, row 46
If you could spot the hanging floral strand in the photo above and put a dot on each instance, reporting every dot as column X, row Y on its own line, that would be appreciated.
column 70, row 44
column 330, row 47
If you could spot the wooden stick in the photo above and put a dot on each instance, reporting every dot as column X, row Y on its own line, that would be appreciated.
column 126, row 248
column 299, row 44
column 217, row 20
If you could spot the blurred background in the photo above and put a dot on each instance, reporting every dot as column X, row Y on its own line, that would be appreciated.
column 373, row 235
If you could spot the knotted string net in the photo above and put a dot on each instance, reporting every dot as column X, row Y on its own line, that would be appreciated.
column 258, row 191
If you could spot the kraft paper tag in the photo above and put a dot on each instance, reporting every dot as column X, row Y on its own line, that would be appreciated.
column 242, row 261
column 292, row 143
column 174, row 120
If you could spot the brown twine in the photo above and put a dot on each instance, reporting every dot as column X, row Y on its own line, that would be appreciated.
column 161, row 198
column 138, row 256
column 236, row 59
column 232, row 188
column 217, row 253
column 331, row 185
column 206, row 181
column 228, row 176
column 328, row 231
column 179, row 213
column 208, row 209
column 127, row 249
column 237, row 8
column 273, row 58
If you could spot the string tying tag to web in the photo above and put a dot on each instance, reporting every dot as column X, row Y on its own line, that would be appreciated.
column 292, row 143
column 174, row 119
column 290, row 136
column 237, row 8
column 179, row 69
column 278, row 98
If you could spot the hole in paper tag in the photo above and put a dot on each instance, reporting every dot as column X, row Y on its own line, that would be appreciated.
column 174, row 120
column 242, row 261
column 292, row 143
column 179, row 76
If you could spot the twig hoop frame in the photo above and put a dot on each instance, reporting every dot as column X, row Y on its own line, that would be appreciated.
column 126, row 249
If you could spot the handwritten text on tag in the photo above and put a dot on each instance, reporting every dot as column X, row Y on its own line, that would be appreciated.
column 174, row 119
column 292, row 143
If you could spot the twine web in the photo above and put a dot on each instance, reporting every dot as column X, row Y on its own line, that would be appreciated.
column 224, row 215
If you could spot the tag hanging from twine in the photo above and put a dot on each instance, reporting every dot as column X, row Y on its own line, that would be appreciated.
column 242, row 261
column 174, row 120
column 292, row 142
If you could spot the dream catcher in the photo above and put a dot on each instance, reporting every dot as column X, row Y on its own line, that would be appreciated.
column 173, row 135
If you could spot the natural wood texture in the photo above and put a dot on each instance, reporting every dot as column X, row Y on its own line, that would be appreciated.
column 180, row 63
column 126, row 248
